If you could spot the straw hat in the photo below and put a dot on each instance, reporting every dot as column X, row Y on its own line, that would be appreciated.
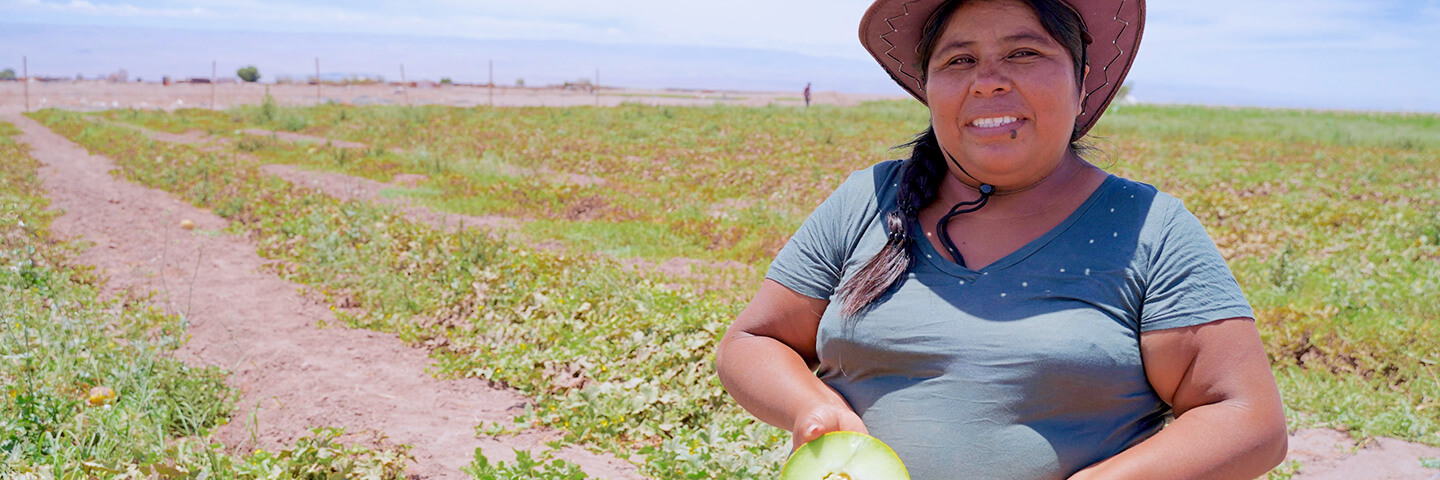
column 891, row 31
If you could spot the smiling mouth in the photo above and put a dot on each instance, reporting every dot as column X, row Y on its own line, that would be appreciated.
column 992, row 122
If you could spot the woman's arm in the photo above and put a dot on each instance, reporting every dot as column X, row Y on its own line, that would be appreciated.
column 766, row 362
column 1229, row 422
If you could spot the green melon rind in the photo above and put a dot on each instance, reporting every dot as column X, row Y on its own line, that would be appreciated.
column 832, row 451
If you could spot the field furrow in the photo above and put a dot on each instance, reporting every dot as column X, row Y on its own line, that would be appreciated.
column 293, row 376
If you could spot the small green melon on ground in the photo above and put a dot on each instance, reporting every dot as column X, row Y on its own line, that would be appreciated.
column 844, row 456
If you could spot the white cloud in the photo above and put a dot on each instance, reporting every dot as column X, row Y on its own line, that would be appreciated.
column 85, row 8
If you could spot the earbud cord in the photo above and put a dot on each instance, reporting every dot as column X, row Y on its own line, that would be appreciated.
column 961, row 208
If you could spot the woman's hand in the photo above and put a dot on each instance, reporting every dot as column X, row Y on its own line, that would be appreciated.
column 824, row 419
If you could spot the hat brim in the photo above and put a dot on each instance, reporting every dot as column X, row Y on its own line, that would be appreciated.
column 891, row 31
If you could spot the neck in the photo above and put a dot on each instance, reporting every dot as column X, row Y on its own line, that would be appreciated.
column 1019, row 200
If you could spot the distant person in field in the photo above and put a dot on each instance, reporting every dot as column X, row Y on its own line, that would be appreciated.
column 995, row 306
column 807, row 95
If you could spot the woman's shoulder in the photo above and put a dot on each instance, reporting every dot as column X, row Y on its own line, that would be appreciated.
column 1158, row 218
column 877, row 178
column 1151, row 202
column 874, row 186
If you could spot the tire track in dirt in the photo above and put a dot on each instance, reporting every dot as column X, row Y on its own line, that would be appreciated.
column 349, row 188
column 293, row 137
column 699, row 273
column 292, row 375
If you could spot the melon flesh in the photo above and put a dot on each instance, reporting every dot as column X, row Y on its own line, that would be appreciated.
column 844, row 456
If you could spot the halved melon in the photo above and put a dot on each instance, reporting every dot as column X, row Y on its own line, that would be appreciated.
column 844, row 456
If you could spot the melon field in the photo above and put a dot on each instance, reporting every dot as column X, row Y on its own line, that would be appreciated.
column 608, row 250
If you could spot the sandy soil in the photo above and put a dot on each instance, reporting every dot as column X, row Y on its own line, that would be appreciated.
column 100, row 95
column 292, row 137
column 349, row 188
column 1330, row 455
column 292, row 375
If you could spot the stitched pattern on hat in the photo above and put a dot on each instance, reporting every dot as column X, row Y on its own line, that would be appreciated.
column 900, row 65
column 904, row 69
column 1119, row 52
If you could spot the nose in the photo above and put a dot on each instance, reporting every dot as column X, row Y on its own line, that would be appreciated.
column 990, row 81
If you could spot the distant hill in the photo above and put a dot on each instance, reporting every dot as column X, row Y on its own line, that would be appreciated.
column 150, row 53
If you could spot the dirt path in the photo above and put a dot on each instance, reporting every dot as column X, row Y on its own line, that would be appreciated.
column 292, row 375
column 1326, row 454
column 349, row 188
column 293, row 137
column 698, row 273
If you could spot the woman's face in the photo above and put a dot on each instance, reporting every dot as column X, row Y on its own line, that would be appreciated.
column 994, row 70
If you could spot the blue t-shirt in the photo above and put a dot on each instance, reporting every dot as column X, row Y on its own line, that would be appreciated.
column 1028, row 368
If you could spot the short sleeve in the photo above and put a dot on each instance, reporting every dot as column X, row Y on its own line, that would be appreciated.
column 813, row 262
column 1188, row 282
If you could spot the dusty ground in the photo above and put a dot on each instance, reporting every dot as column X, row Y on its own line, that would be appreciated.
column 286, row 136
column 292, row 375
column 1330, row 455
column 702, row 274
column 99, row 95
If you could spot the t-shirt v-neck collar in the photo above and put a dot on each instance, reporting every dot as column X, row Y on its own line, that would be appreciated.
column 926, row 250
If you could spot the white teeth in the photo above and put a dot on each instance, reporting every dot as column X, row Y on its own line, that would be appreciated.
column 993, row 122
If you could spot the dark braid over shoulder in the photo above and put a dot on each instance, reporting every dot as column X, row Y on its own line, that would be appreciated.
column 920, row 179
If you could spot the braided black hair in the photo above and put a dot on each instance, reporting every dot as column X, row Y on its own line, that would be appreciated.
column 920, row 179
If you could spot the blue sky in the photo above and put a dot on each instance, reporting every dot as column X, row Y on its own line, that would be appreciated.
column 1349, row 54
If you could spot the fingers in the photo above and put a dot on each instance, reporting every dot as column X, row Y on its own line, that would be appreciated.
column 806, row 433
column 825, row 420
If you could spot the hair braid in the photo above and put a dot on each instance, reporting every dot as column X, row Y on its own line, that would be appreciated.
column 920, row 181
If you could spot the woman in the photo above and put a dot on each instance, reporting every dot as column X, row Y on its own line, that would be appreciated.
column 994, row 306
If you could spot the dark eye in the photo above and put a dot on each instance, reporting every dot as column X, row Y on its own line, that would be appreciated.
column 962, row 61
column 1024, row 54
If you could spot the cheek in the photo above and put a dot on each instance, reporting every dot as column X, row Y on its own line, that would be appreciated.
column 1061, row 104
column 943, row 108
column 943, row 88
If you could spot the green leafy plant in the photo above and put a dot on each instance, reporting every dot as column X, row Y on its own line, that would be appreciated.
column 525, row 467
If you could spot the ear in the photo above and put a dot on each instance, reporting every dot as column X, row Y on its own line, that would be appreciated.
column 1084, row 78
